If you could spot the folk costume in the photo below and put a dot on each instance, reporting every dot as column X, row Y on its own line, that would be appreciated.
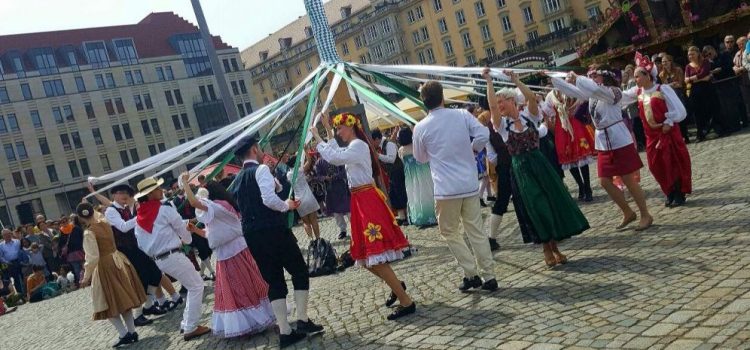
column 199, row 244
column 497, row 154
column 394, row 167
column 338, row 198
column 419, row 188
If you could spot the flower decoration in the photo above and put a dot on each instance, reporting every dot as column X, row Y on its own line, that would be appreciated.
column 584, row 144
column 347, row 119
column 372, row 232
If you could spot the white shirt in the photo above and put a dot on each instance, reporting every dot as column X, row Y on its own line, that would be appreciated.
column 506, row 126
column 391, row 151
column 355, row 158
column 443, row 139
column 169, row 232
column 223, row 230
column 114, row 218
column 675, row 109
column 268, row 188
column 607, row 114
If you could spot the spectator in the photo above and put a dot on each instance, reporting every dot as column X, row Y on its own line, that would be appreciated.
column 701, row 95
column 73, row 249
column 62, row 280
column 36, row 258
column 741, row 65
column 34, row 285
column 726, row 84
column 11, row 255
column 674, row 76
column 631, row 111
column 9, row 295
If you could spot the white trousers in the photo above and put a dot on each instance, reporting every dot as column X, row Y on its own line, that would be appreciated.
column 451, row 212
column 341, row 221
column 180, row 267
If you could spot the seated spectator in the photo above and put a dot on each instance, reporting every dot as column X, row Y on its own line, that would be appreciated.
column 37, row 287
column 36, row 258
column 9, row 295
column 66, row 285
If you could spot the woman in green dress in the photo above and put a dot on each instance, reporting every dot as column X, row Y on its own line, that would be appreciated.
column 419, row 186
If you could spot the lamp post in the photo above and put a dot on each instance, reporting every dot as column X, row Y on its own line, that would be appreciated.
column 7, row 206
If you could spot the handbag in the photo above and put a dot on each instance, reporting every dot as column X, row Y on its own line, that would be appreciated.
column 76, row 256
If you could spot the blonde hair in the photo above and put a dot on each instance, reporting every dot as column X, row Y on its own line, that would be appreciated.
column 508, row 94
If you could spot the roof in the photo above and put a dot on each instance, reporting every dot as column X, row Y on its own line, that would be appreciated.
column 296, row 31
column 151, row 36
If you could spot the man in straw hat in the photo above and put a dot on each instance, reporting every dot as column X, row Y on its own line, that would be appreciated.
column 270, row 240
column 161, row 232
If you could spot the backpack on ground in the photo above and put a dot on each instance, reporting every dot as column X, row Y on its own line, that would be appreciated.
column 345, row 261
column 321, row 258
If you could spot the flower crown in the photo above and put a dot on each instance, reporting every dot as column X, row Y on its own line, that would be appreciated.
column 347, row 119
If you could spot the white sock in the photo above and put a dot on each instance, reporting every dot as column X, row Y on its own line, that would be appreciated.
column 175, row 297
column 207, row 264
column 117, row 322
column 162, row 300
column 300, row 299
column 279, row 310
column 495, row 221
column 129, row 321
column 138, row 312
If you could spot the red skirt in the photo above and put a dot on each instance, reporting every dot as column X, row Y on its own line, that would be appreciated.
column 576, row 151
column 619, row 162
column 376, row 237
column 669, row 159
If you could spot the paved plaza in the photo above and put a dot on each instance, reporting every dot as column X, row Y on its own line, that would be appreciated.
column 684, row 284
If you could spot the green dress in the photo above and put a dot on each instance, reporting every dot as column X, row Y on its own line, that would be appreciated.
column 419, row 189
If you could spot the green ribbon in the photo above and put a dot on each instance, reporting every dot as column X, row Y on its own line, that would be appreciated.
column 403, row 89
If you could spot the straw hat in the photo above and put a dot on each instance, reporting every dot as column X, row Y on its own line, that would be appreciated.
column 147, row 186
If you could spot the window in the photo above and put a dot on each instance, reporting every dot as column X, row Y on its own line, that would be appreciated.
column 10, row 153
column 152, row 150
column 57, row 115
column 99, row 81
column 528, row 16
column 52, row 173
column 506, row 23
column 532, row 35
column 466, row 38
column 89, row 110
column 204, row 95
column 390, row 46
column 430, row 55
column 500, row 3
column 386, row 25
column 155, row 126
column 65, row 140
column 18, row 180
column 345, row 48
column 138, row 76
column 471, row 60
column 358, row 42
column 372, row 32
column 308, row 65
column 226, row 65
column 235, row 66
column 194, row 54
column 116, row 132
column 110, row 80
column 558, row 24
column 147, row 101
column 45, row 62
column 80, row 84
column 248, row 108
column 490, row 52
column 418, row 12
column 26, row 92
column 160, row 73
column 235, row 90
column 416, row 37
column 138, row 102
column 4, row 98
column 74, row 172
column 145, row 127
column 126, row 53
column 241, row 109
column 211, row 92
column 185, row 120
column 126, row 131
column 134, row 155
column 76, row 139
column 120, row 106
column 486, row 34
column 105, row 162
column 479, row 8
column 72, row 60
column 68, row 113
column 511, row 44
column 36, row 120
column 437, row 5
column 44, row 146
column 85, row 167
column 21, row 150
column 176, row 122
column 30, row 179
column 443, row 25
column 124, row 158
column 425, row 34
column 168, row 72
column 13, row 122
column 181, row 141
column 410, row 16
column 129, row 77
column 551, row 6
column 594, row 12
column 110, row 107
column 243, row 87
column 448, row 47
column 178, row 96
column 51, row 88
column 162, row 147
column 18, row 66
column 170, row 100
column 460, row 18
column 3, row 127
column 97, row 136
column 421, row 57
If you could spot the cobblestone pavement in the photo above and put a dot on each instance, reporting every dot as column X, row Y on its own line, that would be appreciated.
column 685, row 284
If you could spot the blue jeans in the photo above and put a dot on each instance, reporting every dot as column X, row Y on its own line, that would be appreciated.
column 76, row 266
column 14, row 271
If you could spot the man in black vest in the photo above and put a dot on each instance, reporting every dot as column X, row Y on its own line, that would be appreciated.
column 497, row 153
column 388, row 156
column 270, row 240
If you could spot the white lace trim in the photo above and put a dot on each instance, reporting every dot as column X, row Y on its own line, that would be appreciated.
column 229, row 324
column 382, row 258
column 583, row 162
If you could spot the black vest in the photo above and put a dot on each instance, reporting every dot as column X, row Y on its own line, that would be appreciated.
column 124, row 240
column 503, row 157
column 255, row 215
column 391, row 167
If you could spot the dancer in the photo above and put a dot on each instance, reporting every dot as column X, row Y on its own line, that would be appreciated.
column 337, row 192
column 388, row 156
column 546, row 212
column 199, row 244
column 115, row 286
column 376, row 238
column 161, row 232
column 419, row 185
column 241, row 305
column 443, row 140
column 668, row 157
column 270, row 240
column 308, row 207
column 613, row 140
column 497, row 154
column 573, row 143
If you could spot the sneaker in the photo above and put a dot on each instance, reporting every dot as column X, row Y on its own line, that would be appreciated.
column 342, row 235
column 493, row 245
column 308, row 327
column 286, row 340
column 169, row 305
column 392, row 298
column 201, row 330
column 154, row 310
column 469, row 283
column 141, row 321
column 402, row 311
column 490, row 285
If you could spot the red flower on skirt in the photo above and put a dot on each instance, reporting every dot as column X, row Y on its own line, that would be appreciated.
column 373, row 232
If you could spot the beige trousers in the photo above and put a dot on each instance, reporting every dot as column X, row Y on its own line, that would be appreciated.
column 467, row 210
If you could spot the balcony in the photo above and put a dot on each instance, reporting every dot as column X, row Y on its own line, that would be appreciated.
column 210, row 115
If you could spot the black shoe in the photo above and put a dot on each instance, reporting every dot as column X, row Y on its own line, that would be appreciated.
column 491, row 199
column 169, row 305
column 402, row 311
column 133, row 337
column 154, row 310
column 290, row 339
column 308, row 327
column 581, row 194
column 124, row 340
column 183, row 291
column 493, row 245
column 588, row 196
column 392, row 298
column 209, row 278
column 474, row 282
column 141, row 321
column 669, row 201
column 342, row 235
column 679, row 200
column 490, row 285
column 482, row 203
column 402, row 222
column 179, row 302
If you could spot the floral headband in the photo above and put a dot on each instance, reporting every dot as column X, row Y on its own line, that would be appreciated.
column 347, row 119
column 601, row 72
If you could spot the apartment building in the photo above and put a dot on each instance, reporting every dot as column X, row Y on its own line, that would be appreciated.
column 76, row 103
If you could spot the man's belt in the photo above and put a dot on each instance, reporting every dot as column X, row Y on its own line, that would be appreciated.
column 167, row 253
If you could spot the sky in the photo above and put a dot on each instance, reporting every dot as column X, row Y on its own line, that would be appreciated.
column 240, row 23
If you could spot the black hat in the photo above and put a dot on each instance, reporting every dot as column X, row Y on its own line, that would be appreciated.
column 122, row 188
column 244, row 145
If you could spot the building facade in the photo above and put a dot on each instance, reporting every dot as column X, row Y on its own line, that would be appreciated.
column 439, row 32
column 85, row 102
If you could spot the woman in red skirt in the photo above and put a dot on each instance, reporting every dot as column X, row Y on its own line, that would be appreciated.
column 241, row 304
column 377, row 239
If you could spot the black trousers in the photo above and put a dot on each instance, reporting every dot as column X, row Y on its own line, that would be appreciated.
column 146, row 268
column 201, row 245
column 503, row 187
column 274, row 251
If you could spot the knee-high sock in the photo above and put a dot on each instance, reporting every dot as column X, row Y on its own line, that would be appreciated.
column 129, row 321
column 279, row 310
column 494, row 226
column 138, row 312
column 206, row 264
column 586, row 177
column 577, row 176
column 150, row 291
column 300, row 300
column 117, row 322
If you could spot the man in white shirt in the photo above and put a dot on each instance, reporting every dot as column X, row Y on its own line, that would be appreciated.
column 161, row 232
column 388, row 156
column 447, row 139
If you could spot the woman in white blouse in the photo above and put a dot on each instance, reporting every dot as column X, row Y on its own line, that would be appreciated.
column 617, row 155
column 377, row 239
